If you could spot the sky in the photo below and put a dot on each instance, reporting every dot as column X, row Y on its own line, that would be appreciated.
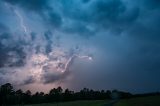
column 98, row 44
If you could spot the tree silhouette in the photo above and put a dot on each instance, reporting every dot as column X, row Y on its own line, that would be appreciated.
column 6, row 92
column 10, row 97
column 68, row 95
column 55, row 94
column 19, row 96
column 27, row 97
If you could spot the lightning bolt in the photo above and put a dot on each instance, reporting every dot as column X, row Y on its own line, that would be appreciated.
column 21, row 21
column 71, row 59
column 19, row 16
column 69, row 62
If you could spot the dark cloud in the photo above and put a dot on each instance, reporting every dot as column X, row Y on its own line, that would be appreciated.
column 80, row 29
column 29, row 80
column 50, row 76
column 145, row 31
column 151, row 4
column 113, row 15
column 108, row 10
column 135, row 54
column 110, row 15
column 12, row 53
column 54, row 19
column 12, row 57
column 33, row 36
column 3, row 28
column 33, row 5
column 40, row 7
column 48, row 35
column 85, row 1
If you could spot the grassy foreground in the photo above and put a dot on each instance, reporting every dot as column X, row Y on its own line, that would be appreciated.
column 140, row 101
column 75, row 103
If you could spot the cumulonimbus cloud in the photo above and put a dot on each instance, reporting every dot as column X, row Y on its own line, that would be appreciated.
column 65, row 24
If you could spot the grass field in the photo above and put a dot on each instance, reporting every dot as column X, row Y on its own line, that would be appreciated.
column 141, row 101
column 75, row 103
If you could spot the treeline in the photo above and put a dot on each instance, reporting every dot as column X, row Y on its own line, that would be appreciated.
column 147, row 94
column 8, row 96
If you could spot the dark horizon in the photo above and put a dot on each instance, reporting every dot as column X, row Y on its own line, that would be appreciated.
column 78, row 90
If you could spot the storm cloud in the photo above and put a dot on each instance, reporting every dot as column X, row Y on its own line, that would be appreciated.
column 122, row 36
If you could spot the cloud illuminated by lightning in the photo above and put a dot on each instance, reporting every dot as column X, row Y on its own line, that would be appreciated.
column 40, row 60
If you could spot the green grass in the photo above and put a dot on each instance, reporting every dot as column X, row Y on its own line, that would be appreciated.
column 75, row 103
column 141, row 101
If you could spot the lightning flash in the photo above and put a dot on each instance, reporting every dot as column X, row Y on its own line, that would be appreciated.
column 19, row 16
column 21, row 21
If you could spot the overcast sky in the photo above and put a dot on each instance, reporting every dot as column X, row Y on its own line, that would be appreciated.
column 38, row 37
